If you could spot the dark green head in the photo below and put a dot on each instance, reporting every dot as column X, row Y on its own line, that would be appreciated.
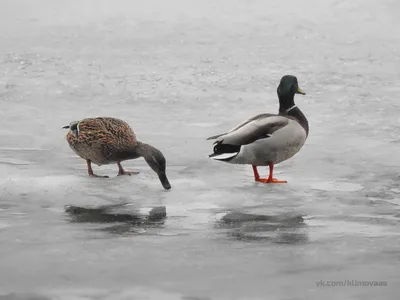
column 289, row 86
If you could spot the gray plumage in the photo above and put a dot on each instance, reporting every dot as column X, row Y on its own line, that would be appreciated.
column 266, row 138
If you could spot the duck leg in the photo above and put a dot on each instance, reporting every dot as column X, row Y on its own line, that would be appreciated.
column 90, row 170
column 270, row 178
column 123, row 172
column 256, row 175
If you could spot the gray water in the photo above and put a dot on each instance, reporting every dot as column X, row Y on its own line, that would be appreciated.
column 178, row 72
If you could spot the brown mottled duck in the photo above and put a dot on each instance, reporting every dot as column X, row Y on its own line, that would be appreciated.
column 105, row 140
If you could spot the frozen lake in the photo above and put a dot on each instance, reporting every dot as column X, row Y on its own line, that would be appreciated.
column 178, row 72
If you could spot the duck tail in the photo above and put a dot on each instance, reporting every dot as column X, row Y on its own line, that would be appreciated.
column 72, row 125
column 224, row 152
column 223, row 156
column 74, row 128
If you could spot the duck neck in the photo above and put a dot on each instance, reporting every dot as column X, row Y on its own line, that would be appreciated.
column 130, row 152
column 143, row 150
column 286, row 103
column 154, row 158
column 287, row 107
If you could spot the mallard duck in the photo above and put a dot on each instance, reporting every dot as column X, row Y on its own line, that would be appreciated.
column 266, row 139
column 106, row 140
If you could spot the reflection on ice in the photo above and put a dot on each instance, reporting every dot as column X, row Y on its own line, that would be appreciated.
column 132, row 221
column 254, row 227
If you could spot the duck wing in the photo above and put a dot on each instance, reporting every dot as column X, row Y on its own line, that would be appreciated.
column 257, row 117
column 259, row 127
column 118, row 128
column 252, row 129
column 100, row 139
column 112, row 127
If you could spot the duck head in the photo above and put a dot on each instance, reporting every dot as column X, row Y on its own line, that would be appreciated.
column 156, row 161
column 287, row 88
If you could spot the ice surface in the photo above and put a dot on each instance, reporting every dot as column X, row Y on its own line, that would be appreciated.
column 180, row 71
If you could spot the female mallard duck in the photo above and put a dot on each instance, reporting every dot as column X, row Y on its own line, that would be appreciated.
column 109, row 140
column 266, row 139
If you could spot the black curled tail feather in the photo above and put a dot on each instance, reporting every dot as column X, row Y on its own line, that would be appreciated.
column 221, row 148
column 225, row 148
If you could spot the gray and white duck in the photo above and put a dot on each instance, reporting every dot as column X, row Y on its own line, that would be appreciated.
column 266, row 139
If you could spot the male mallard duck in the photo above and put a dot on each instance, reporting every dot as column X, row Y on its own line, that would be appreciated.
column 266, row 139
column 109, row 140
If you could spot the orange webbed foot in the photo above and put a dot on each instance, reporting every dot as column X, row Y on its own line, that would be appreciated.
column 268, row 180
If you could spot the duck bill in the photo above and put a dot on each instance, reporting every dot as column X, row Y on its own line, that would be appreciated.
column 300, row 91
column 164, row 181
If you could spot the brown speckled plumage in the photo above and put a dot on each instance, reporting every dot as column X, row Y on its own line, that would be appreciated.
column 105, row 140
column 101, row 139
